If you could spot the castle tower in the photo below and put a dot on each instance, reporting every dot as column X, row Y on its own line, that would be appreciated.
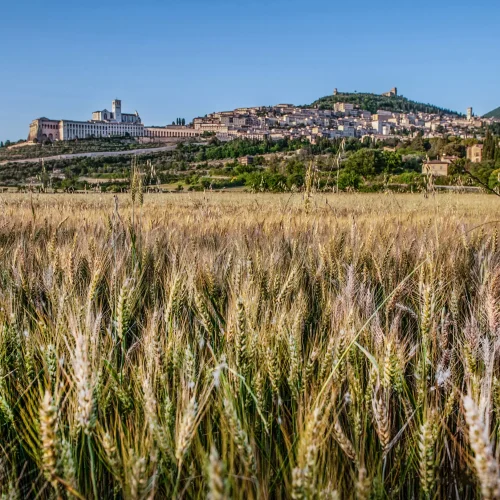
column 335, row 91
column 469, row 114
column 392, row 93
column 117, row 110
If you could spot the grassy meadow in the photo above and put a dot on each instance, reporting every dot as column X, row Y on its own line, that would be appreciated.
column 205, row 345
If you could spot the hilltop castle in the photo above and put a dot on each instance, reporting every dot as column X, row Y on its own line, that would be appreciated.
column 392, row 93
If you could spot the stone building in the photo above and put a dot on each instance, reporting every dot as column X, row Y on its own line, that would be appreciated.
column 245, row 160
column 392, row 93
column 116, row 115
column 43, row 129
column 343, row 107
column 106, row 123
column 438, row 168
column 103, row 124
column 475, row 153
column 84, row 130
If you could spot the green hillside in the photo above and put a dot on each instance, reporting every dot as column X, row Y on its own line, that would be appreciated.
column 493, row 114
column 91, row 145
column 373, row 102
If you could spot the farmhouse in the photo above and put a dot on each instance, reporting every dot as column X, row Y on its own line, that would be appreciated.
column 438, row 168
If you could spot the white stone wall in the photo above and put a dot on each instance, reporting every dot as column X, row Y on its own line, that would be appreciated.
column 83, row 130
column 162, row 132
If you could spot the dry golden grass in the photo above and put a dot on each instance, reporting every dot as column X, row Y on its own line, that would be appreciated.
column 249, row 346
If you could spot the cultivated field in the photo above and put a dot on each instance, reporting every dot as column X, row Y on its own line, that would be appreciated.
column 249, row 346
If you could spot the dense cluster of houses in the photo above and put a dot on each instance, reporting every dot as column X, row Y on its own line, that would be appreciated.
column 344, row 120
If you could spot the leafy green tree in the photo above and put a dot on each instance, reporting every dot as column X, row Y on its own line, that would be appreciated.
column 206, row 182
column 482, row 171
column 366, row 162
column 454, row 149
column 265, row 181
column 407, row 178
column 418, row 143
column 296, row 179
column 201, row 156
column 393, row 161
column 495, row 128
column 412, row 162
column 243, row 169
column 294, row 165
column 436, row 148
column 274, row 164
column 457, row 166
column 349, row 179
column 494, row 180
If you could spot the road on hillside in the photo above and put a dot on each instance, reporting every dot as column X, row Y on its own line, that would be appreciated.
column 93, row 154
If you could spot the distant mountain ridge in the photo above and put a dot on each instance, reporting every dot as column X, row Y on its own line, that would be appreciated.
column 373, row 102
column 493, row 114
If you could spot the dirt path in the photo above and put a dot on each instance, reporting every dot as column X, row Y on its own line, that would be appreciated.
column 93, row 154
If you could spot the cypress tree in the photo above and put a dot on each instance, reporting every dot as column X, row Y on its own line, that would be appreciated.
column 489, row 146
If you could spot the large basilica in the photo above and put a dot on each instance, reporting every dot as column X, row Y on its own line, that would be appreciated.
column 105, row 124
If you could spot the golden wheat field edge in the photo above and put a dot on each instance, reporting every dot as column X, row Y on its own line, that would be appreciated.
column 208, row 345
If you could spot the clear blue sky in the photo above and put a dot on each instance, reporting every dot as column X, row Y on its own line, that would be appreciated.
column 190, row 57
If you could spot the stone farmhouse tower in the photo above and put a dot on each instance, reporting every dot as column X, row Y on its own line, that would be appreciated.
column 117, row 110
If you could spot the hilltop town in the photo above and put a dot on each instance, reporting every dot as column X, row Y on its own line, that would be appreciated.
column 342, row 115
column 337, row 118
column 371, row 140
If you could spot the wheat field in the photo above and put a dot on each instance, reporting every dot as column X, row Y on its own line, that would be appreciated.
column 249, row 346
